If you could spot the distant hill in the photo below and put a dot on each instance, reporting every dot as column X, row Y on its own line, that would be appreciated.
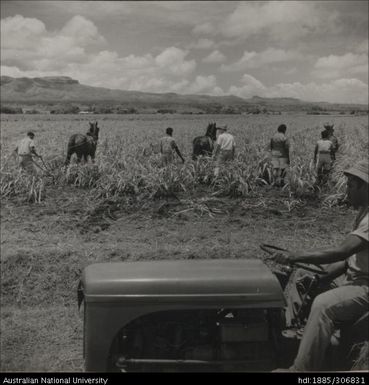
column 63, row 90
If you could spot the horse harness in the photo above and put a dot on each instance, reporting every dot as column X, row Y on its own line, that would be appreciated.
column 91, row 139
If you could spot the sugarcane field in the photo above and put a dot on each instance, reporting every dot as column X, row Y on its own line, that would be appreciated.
column 184, row 188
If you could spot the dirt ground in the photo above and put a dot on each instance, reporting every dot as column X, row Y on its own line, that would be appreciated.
column 44, row 248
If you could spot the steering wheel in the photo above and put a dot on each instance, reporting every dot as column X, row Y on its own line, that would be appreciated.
column 271, row 250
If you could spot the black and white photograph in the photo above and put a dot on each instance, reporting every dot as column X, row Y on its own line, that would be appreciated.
column 184, row 188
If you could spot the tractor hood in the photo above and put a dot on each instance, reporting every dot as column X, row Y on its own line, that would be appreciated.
column 222, row 281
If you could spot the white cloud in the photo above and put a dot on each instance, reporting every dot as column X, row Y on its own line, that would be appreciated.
column 204, row 84
column 205, row 28
column 333, row 66
column 83, row 31
column 74, row 51
column 168, row 71
column 250, row 86
column 286, row 20
column 214, row 57
column 337, row 91
column 203, row 44
column 17, row 73
column 258, row 59
column 26, row 43
column 291, row 71
column 163, row 13
column 19, row 37
column 18, row 32
column 94, row 9
column 120, row 73
column 191, row 13
column 173, row 60
column 362, row 47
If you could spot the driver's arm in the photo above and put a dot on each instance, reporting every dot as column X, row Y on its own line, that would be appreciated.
column 351, row 245
column 333, row 271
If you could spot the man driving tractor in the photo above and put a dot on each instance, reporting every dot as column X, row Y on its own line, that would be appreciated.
column 349, row 301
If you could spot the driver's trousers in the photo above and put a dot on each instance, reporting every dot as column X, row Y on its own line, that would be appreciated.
column 331, row 309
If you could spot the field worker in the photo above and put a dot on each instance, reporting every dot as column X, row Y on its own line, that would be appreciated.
column 348, row 302
column 167, row 146
column 224, row 150
column 25, row 151
column 280, row 149
column 329, row 128
column 323, row 157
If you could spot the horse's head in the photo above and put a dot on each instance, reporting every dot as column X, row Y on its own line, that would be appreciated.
column 329, row 126
column 211, row 131
column 94, row 130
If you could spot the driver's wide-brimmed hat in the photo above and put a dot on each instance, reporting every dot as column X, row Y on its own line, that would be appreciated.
column 360, row 170
column 224, row 128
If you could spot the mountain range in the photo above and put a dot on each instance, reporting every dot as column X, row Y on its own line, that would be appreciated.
column 65, row 90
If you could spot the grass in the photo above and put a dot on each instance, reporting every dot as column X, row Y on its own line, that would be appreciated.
column 362, row 361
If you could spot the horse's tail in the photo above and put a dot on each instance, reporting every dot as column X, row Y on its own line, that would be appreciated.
column 196, row 147
column 211, row 144
column 69, row 150
column 202, row 145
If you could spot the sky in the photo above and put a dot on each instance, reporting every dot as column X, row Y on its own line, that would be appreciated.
column 311, row 50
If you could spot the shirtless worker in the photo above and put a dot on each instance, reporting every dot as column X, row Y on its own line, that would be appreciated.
column 167, row 147
column 329, row 128
column 323, row 157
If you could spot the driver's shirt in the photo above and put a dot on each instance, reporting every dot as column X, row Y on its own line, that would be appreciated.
column 358, row 264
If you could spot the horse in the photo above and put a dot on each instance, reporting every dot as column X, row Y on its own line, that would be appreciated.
column 204, row 145
column 83, row 145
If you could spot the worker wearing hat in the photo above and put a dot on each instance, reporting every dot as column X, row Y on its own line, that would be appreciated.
column 348, row 302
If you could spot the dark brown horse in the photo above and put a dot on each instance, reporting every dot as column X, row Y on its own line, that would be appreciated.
column 204, row 145
column 83, row 145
